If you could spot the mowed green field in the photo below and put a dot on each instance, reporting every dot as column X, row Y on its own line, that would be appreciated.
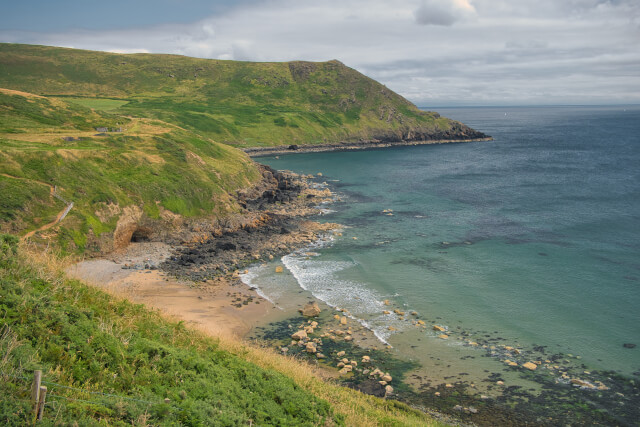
column 102, row 104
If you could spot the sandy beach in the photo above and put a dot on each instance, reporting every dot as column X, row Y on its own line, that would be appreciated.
column 217, row 306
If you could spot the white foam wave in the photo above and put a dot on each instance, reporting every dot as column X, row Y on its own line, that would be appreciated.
column 321, row 279
column 249, row 279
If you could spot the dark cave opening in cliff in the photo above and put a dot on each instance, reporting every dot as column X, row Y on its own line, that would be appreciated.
column 141, row 234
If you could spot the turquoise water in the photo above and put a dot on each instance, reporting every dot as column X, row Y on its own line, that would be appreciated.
column 532, row 239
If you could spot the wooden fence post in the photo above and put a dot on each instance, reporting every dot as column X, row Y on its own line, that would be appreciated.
column 35, row 391
column 41, row 401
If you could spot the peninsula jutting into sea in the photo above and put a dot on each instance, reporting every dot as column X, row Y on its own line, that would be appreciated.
column 197, row 241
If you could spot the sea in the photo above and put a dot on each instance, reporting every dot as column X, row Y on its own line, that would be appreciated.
column 521, row 249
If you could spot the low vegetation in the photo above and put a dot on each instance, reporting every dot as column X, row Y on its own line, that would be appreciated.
column 51, row 144
column 106, row 361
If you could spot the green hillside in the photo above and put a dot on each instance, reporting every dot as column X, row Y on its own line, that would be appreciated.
column 240, row 103
column 109, row 362
column 146, row 138
column 158, row 171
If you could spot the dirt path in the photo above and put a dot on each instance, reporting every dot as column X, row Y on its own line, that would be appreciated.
column 46, row 226
column 52, row 191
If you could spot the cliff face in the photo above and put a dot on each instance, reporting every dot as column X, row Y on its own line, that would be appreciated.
column 239, row 103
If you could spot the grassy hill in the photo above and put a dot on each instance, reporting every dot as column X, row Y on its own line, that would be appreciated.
column 106, row 361
column 159, row 170
column 149, row 137
column 239, row 103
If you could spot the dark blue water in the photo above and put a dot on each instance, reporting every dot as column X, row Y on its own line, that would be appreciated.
column 533, row 237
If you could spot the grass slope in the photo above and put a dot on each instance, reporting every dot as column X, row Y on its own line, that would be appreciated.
column 154, row 165
column 240, row 103
column 106, row 361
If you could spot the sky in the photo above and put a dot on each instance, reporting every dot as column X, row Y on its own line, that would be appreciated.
column 433, row 52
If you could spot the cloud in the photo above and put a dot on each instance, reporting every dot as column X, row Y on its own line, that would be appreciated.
column 442, row 12
column 492, row 51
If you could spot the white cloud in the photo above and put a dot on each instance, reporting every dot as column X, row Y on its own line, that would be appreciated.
column 491, row 51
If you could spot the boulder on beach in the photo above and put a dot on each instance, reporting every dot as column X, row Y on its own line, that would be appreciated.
column 582, row 383
column 300, row 335
column 530, row 365
column 439, row 328
column 311, row 347
column 344, row 370
column 312, row 309
column 371, row 387
column 279, row 269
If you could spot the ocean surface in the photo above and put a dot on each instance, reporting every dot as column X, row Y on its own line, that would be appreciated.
column 531, row 240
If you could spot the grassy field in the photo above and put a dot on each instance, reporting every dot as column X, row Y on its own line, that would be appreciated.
column 239, row 103
column 106, row 361
column 102, row 104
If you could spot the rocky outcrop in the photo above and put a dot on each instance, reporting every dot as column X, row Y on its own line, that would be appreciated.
column 126, row 226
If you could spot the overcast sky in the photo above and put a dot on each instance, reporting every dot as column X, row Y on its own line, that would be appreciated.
column 434, row 52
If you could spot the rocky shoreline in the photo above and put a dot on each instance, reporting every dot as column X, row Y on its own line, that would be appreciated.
column 354, row 145
column 277, row 227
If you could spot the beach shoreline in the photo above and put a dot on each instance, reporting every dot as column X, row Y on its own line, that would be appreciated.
column 198, row 281
column 349, row 146
column 211, row 306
